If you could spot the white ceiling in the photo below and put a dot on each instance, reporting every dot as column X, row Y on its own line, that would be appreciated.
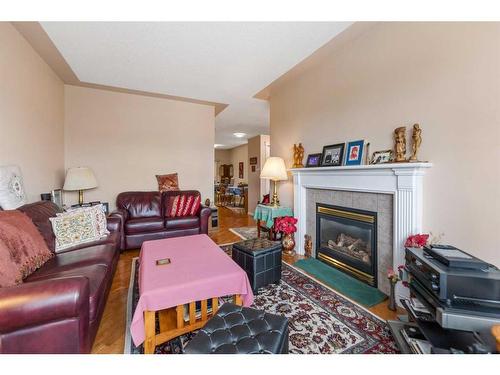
column 225, row 62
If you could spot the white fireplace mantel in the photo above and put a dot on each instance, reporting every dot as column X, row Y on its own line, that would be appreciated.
column 403, row 180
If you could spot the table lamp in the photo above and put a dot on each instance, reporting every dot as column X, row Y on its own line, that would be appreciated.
column 275, row 170
column 79, row 178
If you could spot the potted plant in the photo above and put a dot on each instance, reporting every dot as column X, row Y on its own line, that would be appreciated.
column 417, row 240
column 286, row 226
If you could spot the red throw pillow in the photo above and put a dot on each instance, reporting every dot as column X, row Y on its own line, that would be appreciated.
column 187, row 206
column 184, row 205
column 167, row 182
column 9, row 270
column 196, row 205
column 27, row 248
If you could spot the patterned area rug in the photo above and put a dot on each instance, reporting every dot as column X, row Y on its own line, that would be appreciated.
column 247, row 233
column 236, row 210
column 320, row 320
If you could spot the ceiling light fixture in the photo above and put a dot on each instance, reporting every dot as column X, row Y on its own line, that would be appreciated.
column 239, row 135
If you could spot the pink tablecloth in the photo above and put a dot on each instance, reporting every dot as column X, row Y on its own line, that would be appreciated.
column 199, row 270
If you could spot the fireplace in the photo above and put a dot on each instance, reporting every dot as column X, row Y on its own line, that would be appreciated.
column 346, row 239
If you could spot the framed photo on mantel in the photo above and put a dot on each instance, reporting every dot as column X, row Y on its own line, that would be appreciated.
column 354, row 153
column 313, row 160
column 333, row 155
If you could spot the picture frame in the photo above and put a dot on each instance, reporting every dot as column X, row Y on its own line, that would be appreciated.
column 253, row 160
column 56, row 196
column 354, row 152
column 253, row 168
column 382, row 157
column 313, row 160
column 333, row 155
column 240, row 169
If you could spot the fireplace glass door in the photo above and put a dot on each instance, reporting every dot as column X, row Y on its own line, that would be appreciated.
column 346, row 239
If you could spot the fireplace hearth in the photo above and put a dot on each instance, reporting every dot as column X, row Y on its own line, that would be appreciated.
column 346, row 239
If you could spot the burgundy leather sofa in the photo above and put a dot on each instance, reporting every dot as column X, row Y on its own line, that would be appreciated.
column 145, row 215
column 58, row 308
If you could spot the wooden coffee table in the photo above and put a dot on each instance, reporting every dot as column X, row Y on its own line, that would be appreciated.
column 199, row 271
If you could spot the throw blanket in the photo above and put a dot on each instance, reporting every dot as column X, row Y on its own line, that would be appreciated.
column 22, row 248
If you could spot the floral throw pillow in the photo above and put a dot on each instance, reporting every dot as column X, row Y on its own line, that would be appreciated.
column 74, row 228
column 168, row 182
column 100, row 217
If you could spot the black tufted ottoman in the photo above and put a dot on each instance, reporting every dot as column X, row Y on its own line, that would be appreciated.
column 241, row 330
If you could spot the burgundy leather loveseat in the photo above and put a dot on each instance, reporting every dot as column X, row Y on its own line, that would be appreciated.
column 146, row 215
column 57, row 309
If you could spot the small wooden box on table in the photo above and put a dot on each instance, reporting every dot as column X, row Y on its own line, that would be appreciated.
column 198, row 273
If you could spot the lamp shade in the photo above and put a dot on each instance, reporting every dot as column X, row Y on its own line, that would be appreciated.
column 274, row 169
column 80, row 178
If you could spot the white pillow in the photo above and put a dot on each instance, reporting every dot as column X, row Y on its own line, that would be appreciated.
column 100, row 217
column 12, row 194
column 74, row 228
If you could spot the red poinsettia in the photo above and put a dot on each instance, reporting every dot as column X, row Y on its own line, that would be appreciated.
column 417, row 240
column 285, row 224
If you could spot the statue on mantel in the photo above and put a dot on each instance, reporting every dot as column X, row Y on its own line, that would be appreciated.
column 400, row 144
column 417, row 141
column 308, row 245
column 298, row 155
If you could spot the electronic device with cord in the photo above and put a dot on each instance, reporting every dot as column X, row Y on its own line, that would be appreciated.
column 453, row 287
column 454, row 304
column 455, row 258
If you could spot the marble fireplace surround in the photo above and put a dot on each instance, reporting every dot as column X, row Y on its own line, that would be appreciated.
column 375, row 202
column 402, row 181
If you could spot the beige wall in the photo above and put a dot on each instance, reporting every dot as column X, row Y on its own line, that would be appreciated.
column 265, row 185
column 240, row 154
column 256, row 186
column 253, row 177
column 234, row 156
column 445, row 76
column 221, row 157
column 31, row 114
column 128, row 139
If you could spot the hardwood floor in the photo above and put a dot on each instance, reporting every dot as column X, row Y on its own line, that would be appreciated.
column 111, row 334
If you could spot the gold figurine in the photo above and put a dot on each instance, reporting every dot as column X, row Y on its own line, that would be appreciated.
column 417, row 141
column 298, row 155
column 400, row 144
column 308, row 246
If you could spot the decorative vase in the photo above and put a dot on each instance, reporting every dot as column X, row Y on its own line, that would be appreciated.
column 392, row 297
column 288, row 243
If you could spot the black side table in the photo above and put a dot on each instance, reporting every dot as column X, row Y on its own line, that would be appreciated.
column 261, row 259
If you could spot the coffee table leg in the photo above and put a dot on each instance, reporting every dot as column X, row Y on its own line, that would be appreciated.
column 149, row 328
column 237, row 300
